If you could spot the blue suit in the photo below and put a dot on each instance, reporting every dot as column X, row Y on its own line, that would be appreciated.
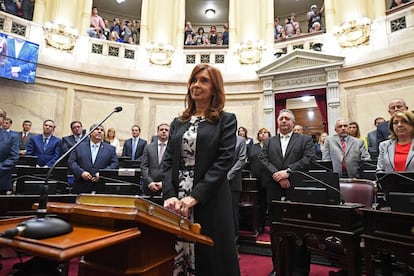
column 80, row 160
column 9, row 154
column 26, row 60
column 45, row 157
column 127, row 150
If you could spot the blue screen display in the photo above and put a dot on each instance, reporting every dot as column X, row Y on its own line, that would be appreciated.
column 18, row 58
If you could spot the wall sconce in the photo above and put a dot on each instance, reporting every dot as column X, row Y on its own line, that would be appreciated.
column 60, row 36
column 250, row 52
column 210, row 12
column 353, row 32
column 160, row 53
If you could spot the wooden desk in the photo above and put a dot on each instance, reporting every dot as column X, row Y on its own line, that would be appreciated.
column 389, row 242
column 329, row 230
column 248, row 223
column 117, row 235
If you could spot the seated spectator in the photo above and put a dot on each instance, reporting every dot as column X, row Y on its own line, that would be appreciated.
column 213, row 35
column 226, row 34
column 115, row 37
column 298, row 31
column 282, row 35
column 396, row 154
column 316, row 27
column 397, row 3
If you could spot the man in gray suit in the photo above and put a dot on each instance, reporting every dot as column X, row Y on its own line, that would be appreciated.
column 24, row 136
column 151, row 162
column 344, row 151
column 234, row 176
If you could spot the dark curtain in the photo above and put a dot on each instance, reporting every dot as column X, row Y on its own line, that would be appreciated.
column 321, row 103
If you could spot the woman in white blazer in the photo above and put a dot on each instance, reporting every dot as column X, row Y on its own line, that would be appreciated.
column 397, row 153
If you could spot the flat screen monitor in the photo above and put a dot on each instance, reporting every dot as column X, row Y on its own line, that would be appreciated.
column 25, row 173
column 18, row 58
column 321, row 166
column 314, row 187
column 121, row 181
column 367, row 169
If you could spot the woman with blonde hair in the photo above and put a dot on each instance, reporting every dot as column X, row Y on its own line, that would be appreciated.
column 111, row 138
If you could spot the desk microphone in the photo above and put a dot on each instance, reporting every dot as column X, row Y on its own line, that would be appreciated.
column 342, row 201
column 42, row 226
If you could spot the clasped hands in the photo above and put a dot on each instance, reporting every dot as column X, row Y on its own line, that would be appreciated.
column 283, row 178
column 155, row 186
column 180, row 207
column 89, row 177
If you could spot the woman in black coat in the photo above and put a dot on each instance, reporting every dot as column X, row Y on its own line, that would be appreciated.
column 199, row 154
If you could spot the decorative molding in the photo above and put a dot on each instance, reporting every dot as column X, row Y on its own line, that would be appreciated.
column 250, row 52
column 353, row 32
column 300, row 81
column 60, row 36
column 160, row 53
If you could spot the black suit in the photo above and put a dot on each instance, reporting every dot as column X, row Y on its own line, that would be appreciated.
column 383, row 132
column 300, row 152
column 127, row 149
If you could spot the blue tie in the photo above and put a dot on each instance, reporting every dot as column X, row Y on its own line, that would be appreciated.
column 134, row 148
column 45, row 140
column 94, row 152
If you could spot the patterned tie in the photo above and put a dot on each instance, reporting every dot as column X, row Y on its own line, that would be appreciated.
column 94, row 152
column 134, row 148
column 343, row 144
column 45, row 141
column 161, row 153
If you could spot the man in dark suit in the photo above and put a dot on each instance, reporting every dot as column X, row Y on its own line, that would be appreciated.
column 88, row 158
column 383, row 130
column 235, row 179
column 24, row 136
column 372, row 139
column 70, row 140
column 134, row 147
column 45, row 146
column 151, row 162
column 9, row 154
column 285, row 152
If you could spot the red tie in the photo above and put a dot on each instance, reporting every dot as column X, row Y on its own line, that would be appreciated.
column 343, row 144
column 24, row 136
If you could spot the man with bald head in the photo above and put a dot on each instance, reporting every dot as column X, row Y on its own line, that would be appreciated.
column 382, row 130
column 344, row 151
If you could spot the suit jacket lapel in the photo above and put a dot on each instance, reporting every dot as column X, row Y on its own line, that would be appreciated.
column 391, row 153
column 292, row 141
column 410, row 157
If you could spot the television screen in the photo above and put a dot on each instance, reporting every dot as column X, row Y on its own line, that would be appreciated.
column 18, row 58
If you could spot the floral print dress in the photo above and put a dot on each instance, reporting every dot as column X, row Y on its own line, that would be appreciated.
column 184, row 262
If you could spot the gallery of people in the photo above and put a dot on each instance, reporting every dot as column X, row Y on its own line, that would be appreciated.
column 198, row 137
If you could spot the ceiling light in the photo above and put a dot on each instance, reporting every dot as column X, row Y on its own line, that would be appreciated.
column 210, row 12
column 120, row 1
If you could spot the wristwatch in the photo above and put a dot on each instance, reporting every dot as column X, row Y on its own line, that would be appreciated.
column 288, row 170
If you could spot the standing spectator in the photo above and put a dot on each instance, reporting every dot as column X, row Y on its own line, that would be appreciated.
column 90, row 157
column 320, row 145
column 199, row 154
column 397, row 3
column 226, row 34
column 10, row 6
column 200, row 37
column 106, row 31
column 213, row 35
column 188, row 30
column 397, row 154
column 96, row 23
column 313, row 16
column 372, row 139
column 383, row 130
column 278, row 27
column 27, row 7
column 134, row 147
column 126, row 33
column 235, row 179
column 136, row 31
column 70, row 140
column 344, row 151
column 111, row 139
column 116, row 26
column 9, row 154
column 24, row 136
column 45, row 146
column 355, row 132
column 242, row 131
column 151, row 162
column 285, row 152
column 256, row 171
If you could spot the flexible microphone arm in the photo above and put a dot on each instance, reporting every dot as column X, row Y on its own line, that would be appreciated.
column 323, row 183
column 379, row 180
column 43, row 194
column 43, row 226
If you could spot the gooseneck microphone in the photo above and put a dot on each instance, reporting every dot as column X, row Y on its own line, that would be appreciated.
column 342, row 201
column 42, row 226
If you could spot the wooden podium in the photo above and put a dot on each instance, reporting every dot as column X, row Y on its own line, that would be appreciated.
column 116, row 235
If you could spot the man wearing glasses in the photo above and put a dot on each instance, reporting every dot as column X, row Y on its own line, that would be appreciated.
column 70, row 140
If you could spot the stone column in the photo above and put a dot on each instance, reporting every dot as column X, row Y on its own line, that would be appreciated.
column 269, row 104
column 332, row 97
column 39, row 11
column 85, row 16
